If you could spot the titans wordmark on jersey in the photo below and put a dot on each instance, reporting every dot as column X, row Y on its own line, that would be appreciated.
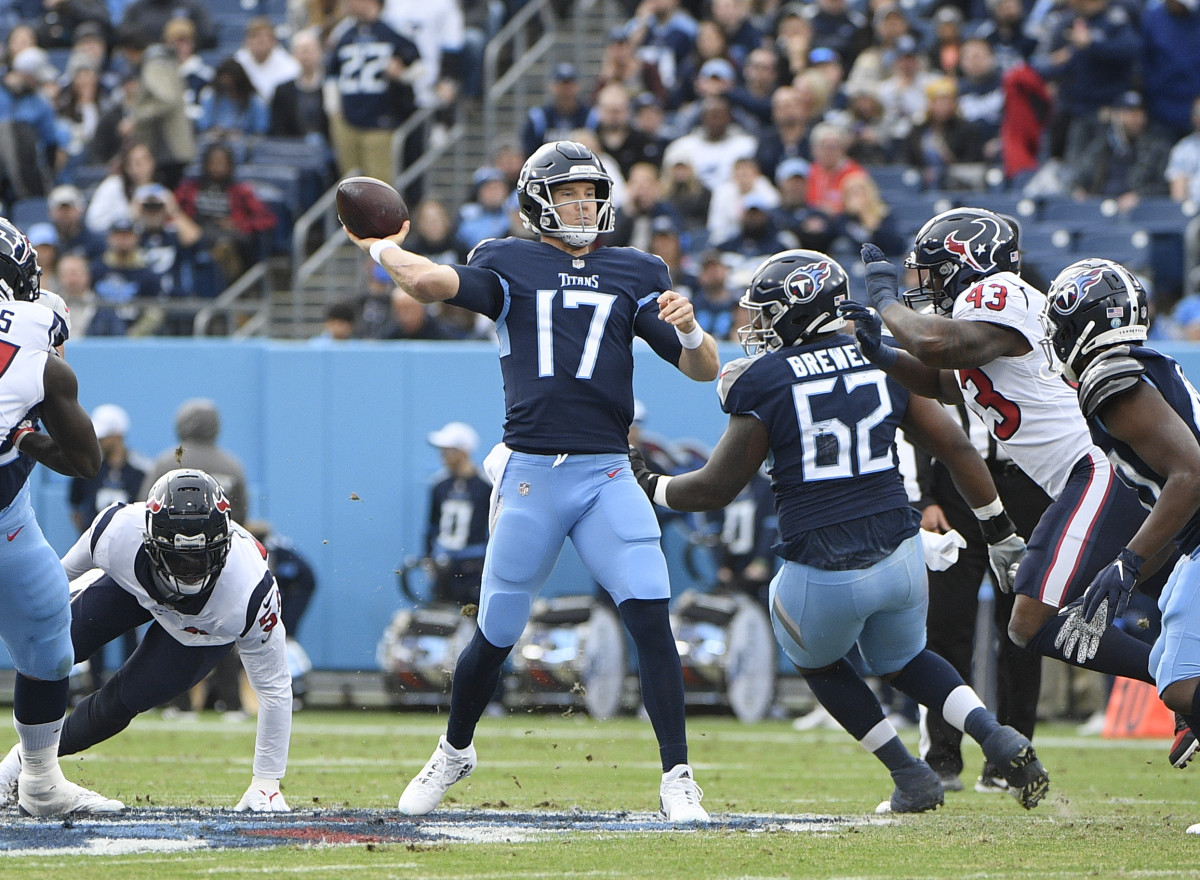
column 566, row 326
column 832, row 419
column 1168, row 379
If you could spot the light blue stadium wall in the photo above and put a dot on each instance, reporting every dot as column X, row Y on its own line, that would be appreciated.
column 317, row 424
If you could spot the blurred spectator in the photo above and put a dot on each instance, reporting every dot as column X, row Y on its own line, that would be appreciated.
column 75, row 287
column 562, row 114
column 947, row 149
column 22, row 36
column 1027, row 103
column 297, row 107
column 666, row 243
column 692, row 81
column 413, row 320
column 840, row 28
column 684, row 191
column 338, row 324
column 873, row 65
column 729, row 198
column 742, row 35
column 1183, row 163
column 587, row 137
column 793, row 39
column 433, row 234
column 66, row 205
column 946, row 52
column 787, row 138
column 1005, row 33
column 265, row 63
column 33, row 145
column 56, row 22
column 486, row 215
column 127, row 288
column 233, row 219
column 717, row 78
column 813, row 229
column 157, row 112
column 1090, row 53
column 714, row 145
column 863, row 120
column 375, row 319
column 620, row 65
column 664, row 36
column 650, row 119
column 713, row 297
column 230, row 109
column 826, row 73
column 644, row 203
column 78, row 109
column 174, row 250
column 437, row 29
column 110, row 202
column 1126, row 159
column 830, row 168
column 374, row 99
column 151, row 17
column 867, row 218
column 903, row 92
column 1170, row 74
column 981, row 93
column 760, row 77
column 618, row 138
column 180, row 37
column 44, row 238
column 90, row 43
column 295, row 577
column 757, row 236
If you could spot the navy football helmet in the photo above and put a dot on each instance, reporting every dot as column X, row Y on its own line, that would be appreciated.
column 1092, row 304
column 793, row 296
column 955, row 249
column 20, row 274
column 562, row 162
column 187, row 533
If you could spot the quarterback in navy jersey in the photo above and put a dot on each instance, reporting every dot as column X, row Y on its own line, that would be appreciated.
column 566, row 317
column 853, row 570
column 1096, row 320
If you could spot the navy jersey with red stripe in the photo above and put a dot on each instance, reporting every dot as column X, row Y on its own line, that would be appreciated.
column 1168, row 379
column 566, row 326
column 361, row 54
column 832, row 419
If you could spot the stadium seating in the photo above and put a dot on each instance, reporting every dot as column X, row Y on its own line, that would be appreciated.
column 25, row 212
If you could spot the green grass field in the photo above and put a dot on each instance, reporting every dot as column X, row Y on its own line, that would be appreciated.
column 1116, row 808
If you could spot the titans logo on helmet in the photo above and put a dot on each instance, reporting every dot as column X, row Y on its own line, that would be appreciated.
column 803, row 284
column 1068, row 296
column 982, row 242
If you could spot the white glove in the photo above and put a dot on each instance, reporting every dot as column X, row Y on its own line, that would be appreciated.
column 263, row 796
column 941, row 551
column 1004, row 557
column 1079, row 631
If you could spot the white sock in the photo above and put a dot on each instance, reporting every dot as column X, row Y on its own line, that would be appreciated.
column 961, row 703
column 35, row 737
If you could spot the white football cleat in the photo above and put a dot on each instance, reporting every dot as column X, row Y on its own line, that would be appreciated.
column 10, row 772
column 679, row 796
column 446, row 767
column 52, row 794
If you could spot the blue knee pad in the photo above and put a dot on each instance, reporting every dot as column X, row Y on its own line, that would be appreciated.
column 502, row 616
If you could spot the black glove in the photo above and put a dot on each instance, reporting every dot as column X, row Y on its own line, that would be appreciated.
column 883, row 281
column 868, row 330
column 1109, row 592
column 646, row 478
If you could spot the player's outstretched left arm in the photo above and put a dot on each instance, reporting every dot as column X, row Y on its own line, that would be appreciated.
column 69, row 444
column 263, row 652
column 699, row 358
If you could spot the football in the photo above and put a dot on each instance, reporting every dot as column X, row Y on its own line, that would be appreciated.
column 370, row 208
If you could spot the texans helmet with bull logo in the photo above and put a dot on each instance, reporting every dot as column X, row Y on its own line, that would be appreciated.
column 793, row 296
column 1092, row 304
column 20, row 275
column 954, row 250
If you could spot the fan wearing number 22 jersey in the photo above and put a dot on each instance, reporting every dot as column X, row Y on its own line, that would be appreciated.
column 981, row 344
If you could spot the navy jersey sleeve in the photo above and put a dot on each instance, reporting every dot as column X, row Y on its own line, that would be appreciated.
column 480, row 286
column 658, row 333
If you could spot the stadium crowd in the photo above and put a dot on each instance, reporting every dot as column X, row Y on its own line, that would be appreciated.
column 169, row 145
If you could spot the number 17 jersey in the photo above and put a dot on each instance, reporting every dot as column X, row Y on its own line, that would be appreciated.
column 1027, row 408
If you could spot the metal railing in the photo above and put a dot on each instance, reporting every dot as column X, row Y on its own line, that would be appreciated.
column 254, row 315
column 514, row 37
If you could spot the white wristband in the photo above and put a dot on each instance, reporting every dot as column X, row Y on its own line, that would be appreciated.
column 988, row 510
column 380, row 246
column 660, row 491
column 693, row 338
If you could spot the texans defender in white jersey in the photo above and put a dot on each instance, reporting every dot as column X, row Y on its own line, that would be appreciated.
column 35, row 617
column 853, row 570
column 566, row 316
column 178, row 562
column 972, row 334
column 1095, row 318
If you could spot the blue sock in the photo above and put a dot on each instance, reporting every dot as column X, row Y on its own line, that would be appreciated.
column 1119, row 653
column 661, row 674
column 40, row 702
column 850, row 701
column 475, row 678
column 930, row 680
